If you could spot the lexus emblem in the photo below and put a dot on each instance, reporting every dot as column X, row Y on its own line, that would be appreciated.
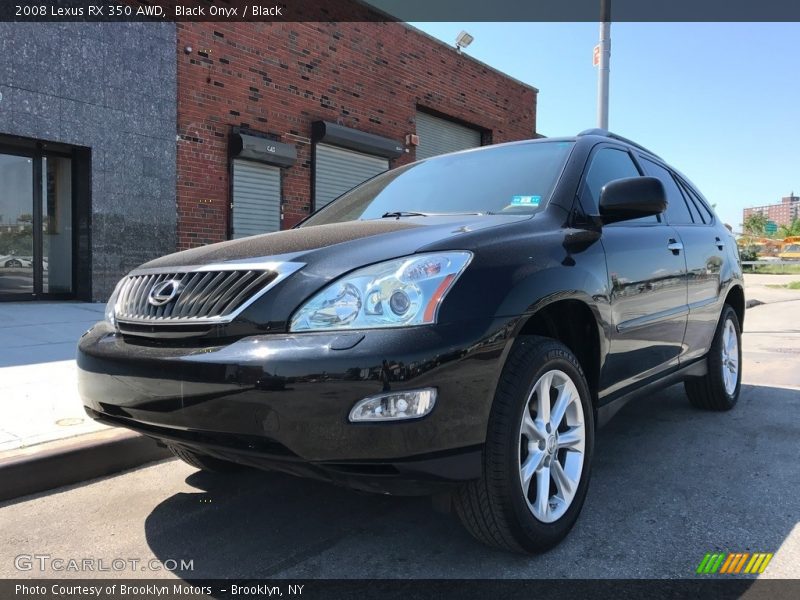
column 164, row 292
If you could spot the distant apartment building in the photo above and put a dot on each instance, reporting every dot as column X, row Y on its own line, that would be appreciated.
column 782, row 214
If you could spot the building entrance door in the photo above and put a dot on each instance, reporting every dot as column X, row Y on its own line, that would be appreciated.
column 36, row 223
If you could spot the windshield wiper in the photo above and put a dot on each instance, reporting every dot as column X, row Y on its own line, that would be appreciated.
column 401, row 213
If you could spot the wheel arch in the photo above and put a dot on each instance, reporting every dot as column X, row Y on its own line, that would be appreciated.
column 735, row 298
column 574, row 323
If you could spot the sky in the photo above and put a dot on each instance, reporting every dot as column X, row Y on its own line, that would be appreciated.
column 718, row 101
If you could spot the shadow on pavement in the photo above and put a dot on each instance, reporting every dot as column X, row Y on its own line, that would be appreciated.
column 669, row 484
column 257, row 523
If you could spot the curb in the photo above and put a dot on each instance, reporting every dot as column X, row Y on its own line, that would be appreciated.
column 54, row 464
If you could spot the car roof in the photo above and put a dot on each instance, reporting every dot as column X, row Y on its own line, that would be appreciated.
column 603, row 133
column 595, row 135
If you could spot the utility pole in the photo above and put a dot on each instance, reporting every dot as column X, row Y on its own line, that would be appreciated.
column 605, row 64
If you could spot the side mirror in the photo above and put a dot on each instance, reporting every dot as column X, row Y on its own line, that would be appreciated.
column 631, row 198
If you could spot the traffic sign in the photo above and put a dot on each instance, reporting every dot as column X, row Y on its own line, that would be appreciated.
column 771, row 227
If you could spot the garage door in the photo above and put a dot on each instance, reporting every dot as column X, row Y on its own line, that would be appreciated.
column 440, row 136
column 337, row 170
column 256, row 198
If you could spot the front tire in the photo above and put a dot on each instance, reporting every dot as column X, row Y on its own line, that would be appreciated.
column 719, row 388
column 538, row 452
column 204, row 462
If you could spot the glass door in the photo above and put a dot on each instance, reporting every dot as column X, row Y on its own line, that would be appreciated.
column 56, row 225
column 36, row 241
column 16, row 226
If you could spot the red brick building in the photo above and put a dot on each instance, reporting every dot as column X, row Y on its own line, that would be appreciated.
column 275, row 119
column 782, row 214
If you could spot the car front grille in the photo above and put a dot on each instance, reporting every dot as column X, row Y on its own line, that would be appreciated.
column 195, row 295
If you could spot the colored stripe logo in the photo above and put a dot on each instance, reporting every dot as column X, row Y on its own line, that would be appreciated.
column 733, row 563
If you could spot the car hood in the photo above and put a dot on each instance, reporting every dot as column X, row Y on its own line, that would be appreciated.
column 328, row 251
column 349, row 244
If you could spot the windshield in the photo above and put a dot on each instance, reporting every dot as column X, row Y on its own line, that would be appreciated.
column 510, row 179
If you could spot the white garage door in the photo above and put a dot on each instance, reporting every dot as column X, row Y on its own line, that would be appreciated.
column 440, row 136
column 337, row 170
column 256, row 198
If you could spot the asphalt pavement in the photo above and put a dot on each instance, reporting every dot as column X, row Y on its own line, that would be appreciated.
column 669, row 484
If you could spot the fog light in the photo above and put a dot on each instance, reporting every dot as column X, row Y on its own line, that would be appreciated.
column 394, row 406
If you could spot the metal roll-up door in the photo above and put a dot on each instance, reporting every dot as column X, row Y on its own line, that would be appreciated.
column 256, row 198
column 440, row 136
column 337, row 170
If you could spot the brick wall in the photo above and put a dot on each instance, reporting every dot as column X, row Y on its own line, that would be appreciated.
column 279, row 78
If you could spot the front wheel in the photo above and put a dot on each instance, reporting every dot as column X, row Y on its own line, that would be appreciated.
column 538, row 452
column 719, row 388
column 204, row 462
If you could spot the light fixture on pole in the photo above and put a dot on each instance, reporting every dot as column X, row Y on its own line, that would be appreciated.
column 463, row 40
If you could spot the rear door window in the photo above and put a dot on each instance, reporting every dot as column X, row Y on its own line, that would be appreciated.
column 677, row 212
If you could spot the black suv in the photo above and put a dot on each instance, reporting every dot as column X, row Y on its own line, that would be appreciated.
column 458, row 326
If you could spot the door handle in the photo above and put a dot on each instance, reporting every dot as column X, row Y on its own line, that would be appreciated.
column 720, row 244
column 674, row 246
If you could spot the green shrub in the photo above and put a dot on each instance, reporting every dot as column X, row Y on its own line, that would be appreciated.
column 749, row 252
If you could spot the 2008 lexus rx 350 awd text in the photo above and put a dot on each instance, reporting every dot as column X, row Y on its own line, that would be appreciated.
column 459, row 326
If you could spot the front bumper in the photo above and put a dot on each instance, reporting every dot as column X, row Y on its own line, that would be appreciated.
column 282, row 401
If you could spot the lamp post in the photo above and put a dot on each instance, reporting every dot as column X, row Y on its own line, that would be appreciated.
column 604, row 64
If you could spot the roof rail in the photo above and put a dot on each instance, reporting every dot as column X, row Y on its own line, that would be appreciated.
column 619, row 138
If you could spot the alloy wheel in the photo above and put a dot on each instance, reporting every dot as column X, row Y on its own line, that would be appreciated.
column 730, row 358
column 552, row 441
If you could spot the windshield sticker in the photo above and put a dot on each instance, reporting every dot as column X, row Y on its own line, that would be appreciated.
column 525, row 200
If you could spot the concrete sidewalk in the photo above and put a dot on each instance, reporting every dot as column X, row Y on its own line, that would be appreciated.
column 771, row 337
column 38, row 389
column 46, row 438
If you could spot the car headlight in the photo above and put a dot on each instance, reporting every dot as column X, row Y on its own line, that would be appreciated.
column 111, row 305
column 396, row 293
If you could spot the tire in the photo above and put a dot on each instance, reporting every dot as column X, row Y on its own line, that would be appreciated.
column 206, row 463
column 494, row 508
column 719, row 388
column 13, row 264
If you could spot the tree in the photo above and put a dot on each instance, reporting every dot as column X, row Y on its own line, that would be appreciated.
column 748, row 252
column 792, row 228
column 755, row 224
